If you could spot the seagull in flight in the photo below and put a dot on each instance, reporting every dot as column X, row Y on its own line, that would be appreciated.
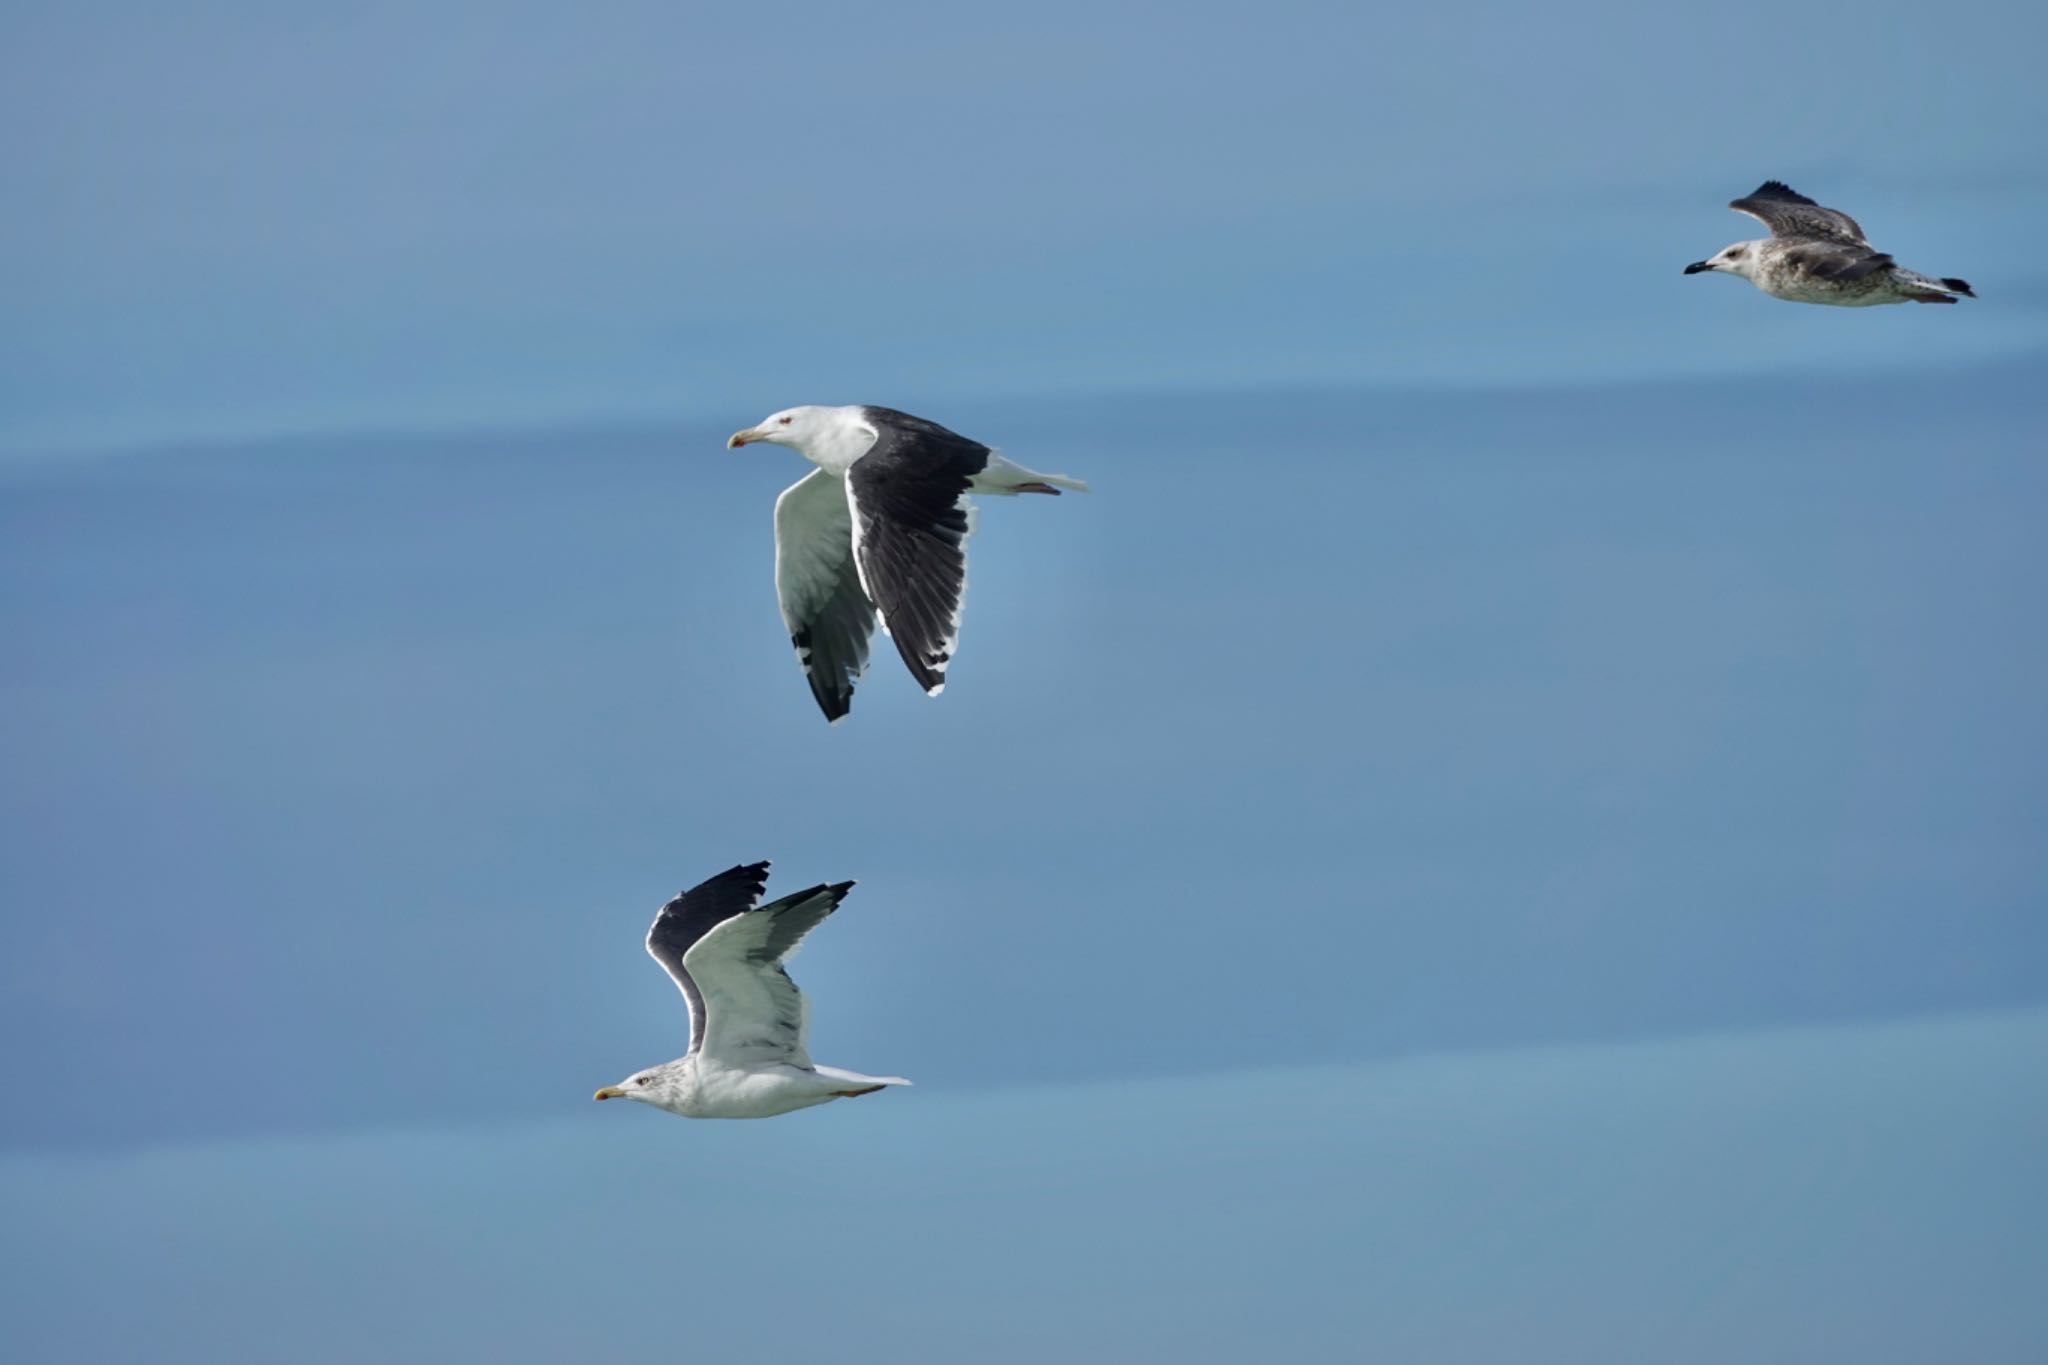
column 749, row 1024
column 880, row 526
column 1820, row 255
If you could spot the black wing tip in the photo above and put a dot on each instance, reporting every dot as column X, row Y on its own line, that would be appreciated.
column 1960, row 287
column 927, row 669
column 756, row 873
column 835, row 702
column 836, row 890
column 1779, row 191
column 836, row 705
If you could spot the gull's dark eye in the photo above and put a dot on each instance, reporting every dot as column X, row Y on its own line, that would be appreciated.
column 784, row 421
column 643, row 1080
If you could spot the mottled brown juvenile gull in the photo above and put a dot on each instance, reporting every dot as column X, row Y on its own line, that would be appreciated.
column 1820, row 255
column 880, row 526
column 749, row 1024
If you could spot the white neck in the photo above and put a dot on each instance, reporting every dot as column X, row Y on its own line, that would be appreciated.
column 839, row 443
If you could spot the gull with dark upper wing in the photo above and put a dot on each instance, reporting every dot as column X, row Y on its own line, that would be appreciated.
column 1820, row 255
column 880, row 526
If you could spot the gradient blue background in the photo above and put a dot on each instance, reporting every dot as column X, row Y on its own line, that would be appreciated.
column 1514, row 824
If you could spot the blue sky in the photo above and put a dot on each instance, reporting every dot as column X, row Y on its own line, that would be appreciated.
column 243, row 220
column 1812, row 1195
column 1518, row 742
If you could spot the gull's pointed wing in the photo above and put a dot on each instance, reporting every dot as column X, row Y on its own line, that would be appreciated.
column 1788, row 213
column 829, row 616
column 692, row 915
column 754, row 1013
column 911, row 520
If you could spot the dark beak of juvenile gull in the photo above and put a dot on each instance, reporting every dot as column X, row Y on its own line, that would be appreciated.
column 1695, row 268
column 740, row 438
column 610, row 1092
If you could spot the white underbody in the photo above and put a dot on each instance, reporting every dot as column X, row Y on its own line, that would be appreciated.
column 698, row 1090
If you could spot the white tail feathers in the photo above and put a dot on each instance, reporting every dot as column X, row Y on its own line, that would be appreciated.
column 1008, row 479
column 855, row 1078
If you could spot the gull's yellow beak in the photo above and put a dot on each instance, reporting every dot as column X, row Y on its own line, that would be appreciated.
column 740, row 438
column 610, row 1092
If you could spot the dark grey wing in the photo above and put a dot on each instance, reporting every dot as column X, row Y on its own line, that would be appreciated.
column 911, row 523
column 1828, row 261
column 829, row 616
column 692, row 915
column 755, row 1014
column 1788, row 213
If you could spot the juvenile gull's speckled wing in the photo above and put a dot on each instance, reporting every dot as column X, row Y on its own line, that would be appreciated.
column 1788, row 213
column 1836, row 262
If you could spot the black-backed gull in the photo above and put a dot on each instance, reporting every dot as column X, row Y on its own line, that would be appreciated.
column 880, row 526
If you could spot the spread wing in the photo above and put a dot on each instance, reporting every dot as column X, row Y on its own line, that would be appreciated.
column 912, row 519
column 829, row 616
column 1788, row 213
column 692, row 915
column 754, row 1014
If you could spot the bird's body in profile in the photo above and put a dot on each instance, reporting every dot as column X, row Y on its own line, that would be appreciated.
column 749, row 1024
column 1820, row 255
column 880, row 527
